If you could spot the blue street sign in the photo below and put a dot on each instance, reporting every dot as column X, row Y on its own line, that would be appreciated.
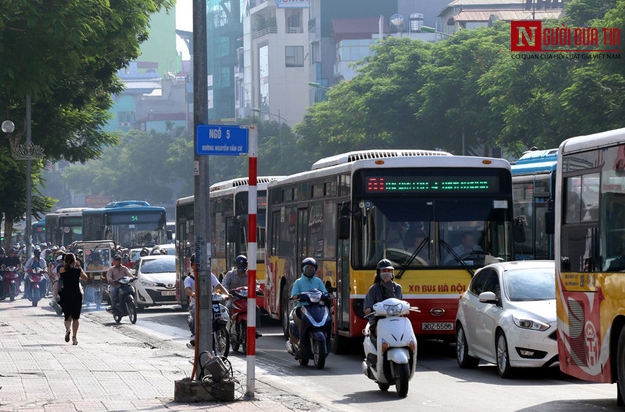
column 218, row 140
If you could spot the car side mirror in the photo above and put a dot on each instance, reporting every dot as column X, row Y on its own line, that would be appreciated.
column 488, row 297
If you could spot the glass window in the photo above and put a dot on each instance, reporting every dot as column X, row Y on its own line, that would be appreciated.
column 294, row 56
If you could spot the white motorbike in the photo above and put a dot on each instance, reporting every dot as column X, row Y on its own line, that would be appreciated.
column 390, row 354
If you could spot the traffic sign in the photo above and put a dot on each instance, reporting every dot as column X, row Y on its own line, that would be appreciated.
column 218, row 140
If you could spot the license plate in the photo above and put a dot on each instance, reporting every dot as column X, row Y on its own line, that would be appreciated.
column 437, row 326
column 168, row 293
column 96, row 277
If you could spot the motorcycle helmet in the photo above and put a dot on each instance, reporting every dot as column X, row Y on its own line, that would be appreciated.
column 240, row 262
column 384, row 264
column 144, row 252
column 306, row 262
column 37, row 251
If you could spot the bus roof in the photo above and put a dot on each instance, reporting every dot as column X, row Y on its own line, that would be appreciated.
column 438, row 161
column 242, row 181
column 372, row 154
column 127, row 203
column 593, row 141
column 536, row 161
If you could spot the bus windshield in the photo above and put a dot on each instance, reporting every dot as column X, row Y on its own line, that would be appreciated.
column 431, row 231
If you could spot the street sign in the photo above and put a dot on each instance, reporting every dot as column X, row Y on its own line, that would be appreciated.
column 218, row 140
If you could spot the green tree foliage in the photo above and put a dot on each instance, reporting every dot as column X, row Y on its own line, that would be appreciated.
column 156, row 167
column 471, row 89
column 65, row 55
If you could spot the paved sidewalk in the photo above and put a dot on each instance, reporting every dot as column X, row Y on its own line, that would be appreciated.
column 106, row 371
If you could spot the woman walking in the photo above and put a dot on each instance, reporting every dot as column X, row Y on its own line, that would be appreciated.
column 71, row 295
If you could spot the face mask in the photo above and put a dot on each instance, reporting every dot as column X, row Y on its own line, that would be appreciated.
column 386, row 276
column 309, row 272
column 241, row 268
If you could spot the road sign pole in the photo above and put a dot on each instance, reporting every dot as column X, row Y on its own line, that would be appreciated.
column 203, row 285
column 251, row 248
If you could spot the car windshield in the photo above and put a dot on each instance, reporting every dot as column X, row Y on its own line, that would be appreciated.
column 158, row 266
column 530, row 284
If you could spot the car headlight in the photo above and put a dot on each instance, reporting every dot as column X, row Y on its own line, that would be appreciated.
column 149, row 284
column 530, row 324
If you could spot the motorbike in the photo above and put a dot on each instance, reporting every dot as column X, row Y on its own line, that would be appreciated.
column 390, row 353
column 10, row 283
column 316, row 325
column 238, row 324
column 125, row 305
column 37, row 285
column 221, row 336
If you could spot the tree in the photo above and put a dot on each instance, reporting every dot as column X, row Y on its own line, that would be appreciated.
column 66, row 55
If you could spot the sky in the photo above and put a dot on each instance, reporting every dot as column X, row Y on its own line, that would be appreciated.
column 184, row 15
column 184, row 21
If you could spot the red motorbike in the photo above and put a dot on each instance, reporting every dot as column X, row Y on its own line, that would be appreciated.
column 238, row 323
column 10, row 280
column 37, row 285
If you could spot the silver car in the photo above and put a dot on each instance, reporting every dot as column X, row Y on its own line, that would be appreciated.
column 508, row 317
column 156, row 283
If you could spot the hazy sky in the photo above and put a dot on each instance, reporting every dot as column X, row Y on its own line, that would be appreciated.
column 184, row 15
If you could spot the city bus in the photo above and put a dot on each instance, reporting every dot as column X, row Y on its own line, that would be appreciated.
column 130, row 224
column 343, row 211
column 228, row 226
column 590, row 257
column 38, row 232
column 64, row 226
column 533, row 188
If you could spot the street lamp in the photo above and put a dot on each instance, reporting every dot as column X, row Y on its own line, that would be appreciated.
column 261, row 111
column 320, row 93
column 27, row 152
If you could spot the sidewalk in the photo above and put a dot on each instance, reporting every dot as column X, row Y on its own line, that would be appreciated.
column 106, row 371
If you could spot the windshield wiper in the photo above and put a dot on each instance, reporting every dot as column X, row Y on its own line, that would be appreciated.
column 451, row 251
column 412, row 257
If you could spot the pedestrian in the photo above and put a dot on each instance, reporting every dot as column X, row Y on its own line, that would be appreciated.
column 71, row 294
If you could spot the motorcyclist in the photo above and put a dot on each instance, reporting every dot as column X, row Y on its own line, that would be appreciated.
column 306, row 281
column 189, row 288
column 383, row 288
column 114, row 273
column 235, row 278
column 34, row 262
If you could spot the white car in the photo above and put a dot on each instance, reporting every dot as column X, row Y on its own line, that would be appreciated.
column 508, row 317
column 156, row 283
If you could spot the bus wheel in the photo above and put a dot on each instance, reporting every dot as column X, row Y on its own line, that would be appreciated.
column 284, row 311
column 620, row 368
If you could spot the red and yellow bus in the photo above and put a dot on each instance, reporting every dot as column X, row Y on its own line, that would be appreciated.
column 228, row 226
column 350, row 209
column 590, row 257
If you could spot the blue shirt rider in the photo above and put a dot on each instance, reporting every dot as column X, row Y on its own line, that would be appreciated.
column 306, row 281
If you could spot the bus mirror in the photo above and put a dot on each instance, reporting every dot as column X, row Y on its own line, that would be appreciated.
column 518, row 230
column 344, row 227
column 550, row 222
column 232, row 233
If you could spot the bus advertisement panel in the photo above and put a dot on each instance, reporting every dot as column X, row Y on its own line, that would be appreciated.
column 590, row 257
column 229, row 201
column 533, row 188
column 130, row 224
column 412, row 207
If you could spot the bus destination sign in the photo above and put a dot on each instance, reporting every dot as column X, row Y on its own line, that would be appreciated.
column 447, row 184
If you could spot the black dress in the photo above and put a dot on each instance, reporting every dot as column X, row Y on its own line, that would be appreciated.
column 71, row 295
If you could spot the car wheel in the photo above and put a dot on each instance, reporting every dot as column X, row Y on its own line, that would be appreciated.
column 465, row 361
column 503, row 357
